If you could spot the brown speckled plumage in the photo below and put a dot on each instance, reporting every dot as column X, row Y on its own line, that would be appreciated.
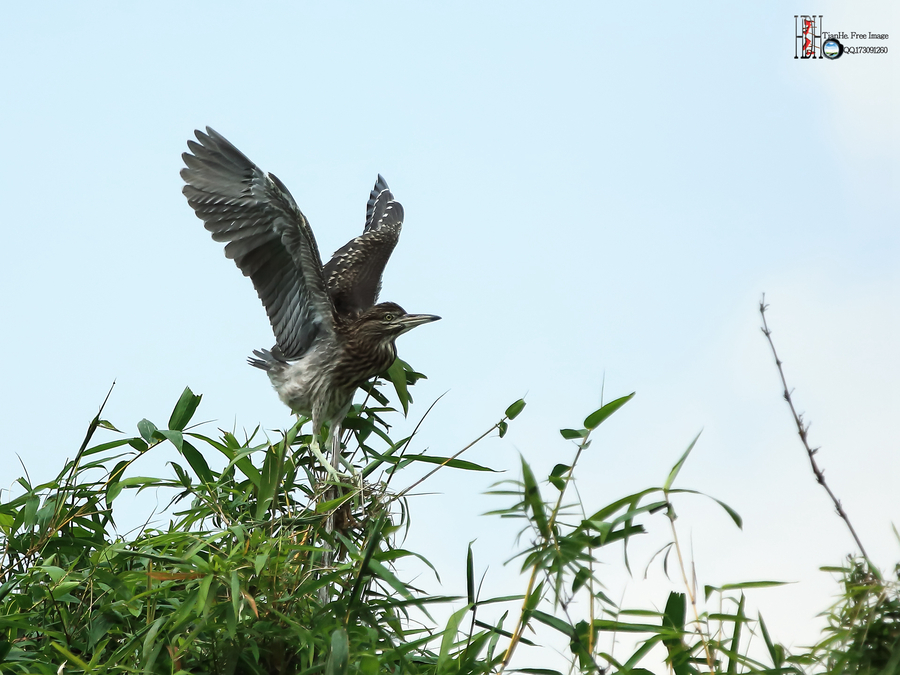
column 330, row 336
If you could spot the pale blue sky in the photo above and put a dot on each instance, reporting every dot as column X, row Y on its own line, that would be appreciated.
column 590, row 190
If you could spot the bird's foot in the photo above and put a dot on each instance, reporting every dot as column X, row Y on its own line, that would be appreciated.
column 335, row 475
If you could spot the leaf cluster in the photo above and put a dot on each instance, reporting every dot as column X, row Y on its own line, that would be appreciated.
column 243, row 575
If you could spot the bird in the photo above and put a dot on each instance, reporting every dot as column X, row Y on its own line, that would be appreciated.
column 330, row 335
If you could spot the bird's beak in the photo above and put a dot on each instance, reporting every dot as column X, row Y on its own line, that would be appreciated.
column 410, row 321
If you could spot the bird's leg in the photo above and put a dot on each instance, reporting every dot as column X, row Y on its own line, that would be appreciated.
column 314, row 449
column 334, row 435
column 334, row 432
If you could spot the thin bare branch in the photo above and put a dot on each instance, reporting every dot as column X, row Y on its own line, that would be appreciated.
column 802, row 430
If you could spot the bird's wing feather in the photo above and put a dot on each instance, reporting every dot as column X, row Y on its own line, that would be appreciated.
column 353, row 275
column 266, row 235
column 378, row 200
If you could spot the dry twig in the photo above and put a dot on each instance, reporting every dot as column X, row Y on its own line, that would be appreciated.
column 802, row 430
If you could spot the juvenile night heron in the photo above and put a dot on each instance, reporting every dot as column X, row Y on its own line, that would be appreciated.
column 330, row 336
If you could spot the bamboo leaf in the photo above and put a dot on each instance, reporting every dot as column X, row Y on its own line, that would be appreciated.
column 554, row 622
column 146, row 429
column 446, row 461
column 184, row 410
column 770, row 646
column 534, row 501
column 397, row 375
column 512, row 412
column 449, row 637
column 736, row 637
column 596, row 418
column 197, row 462
column 339, row 654
column 557, row 476
column 675, row 469
column 470, row 576
column 753, row 584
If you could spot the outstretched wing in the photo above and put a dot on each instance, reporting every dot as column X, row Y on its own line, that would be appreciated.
column 353, row 275
column 267, row 237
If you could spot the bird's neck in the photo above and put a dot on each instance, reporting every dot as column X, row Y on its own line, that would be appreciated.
column 377, row 360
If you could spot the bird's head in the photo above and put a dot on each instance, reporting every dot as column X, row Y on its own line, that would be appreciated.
column 387, row 320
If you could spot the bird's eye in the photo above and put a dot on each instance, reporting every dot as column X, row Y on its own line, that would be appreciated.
column 388, row 317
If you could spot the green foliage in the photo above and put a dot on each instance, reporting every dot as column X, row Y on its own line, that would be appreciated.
column 244, row 576
column 239, row 581
column 863, row 633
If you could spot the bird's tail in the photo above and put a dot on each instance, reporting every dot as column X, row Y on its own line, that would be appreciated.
column 268, row 360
